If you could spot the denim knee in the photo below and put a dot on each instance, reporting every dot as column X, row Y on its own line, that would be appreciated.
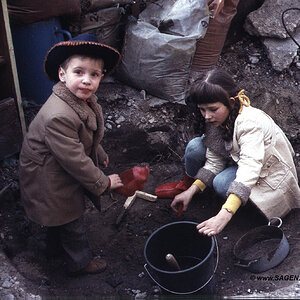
column 194, row 156
column 223, row 180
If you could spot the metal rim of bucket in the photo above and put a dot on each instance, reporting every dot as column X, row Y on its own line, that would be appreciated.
column 180, row 271
column 168, row 272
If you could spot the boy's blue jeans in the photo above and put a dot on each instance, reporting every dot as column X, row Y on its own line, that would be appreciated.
column 194, row 159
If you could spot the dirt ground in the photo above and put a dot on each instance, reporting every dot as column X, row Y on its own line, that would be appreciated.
column 128, row 145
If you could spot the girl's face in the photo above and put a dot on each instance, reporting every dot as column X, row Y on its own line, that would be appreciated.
column 214, row 113
column 82, row 76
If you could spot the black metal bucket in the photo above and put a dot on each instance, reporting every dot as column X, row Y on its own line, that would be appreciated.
column 194, row 253
column 262, row 248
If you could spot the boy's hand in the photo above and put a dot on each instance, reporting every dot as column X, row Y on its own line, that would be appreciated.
column 115, row 181
column 106, row 162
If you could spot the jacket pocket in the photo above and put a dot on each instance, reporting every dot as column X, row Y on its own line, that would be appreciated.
column 32, row 155
column 274, row 172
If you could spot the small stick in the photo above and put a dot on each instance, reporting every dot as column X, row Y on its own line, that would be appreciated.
column 171, row 260
column 174, row 152
column 179, row 209
column 4, row 189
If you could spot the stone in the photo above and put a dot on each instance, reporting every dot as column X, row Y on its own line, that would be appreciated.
column 266, row 21
column 281, row 52
column 9, row 297
column 120, row 120
column 6, row 284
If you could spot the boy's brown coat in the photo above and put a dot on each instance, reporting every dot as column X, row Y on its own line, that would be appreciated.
column 57, row 162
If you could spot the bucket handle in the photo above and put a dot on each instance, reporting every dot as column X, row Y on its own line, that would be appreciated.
column 198, row 289
column 275, row 218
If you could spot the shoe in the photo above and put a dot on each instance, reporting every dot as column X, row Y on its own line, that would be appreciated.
column 96, row 265
column 167, row 190
column 171, row 189
column 185, row 183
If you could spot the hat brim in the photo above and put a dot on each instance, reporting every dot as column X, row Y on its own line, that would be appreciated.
column 61, row 51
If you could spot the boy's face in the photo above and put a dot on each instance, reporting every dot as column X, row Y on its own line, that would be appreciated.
column 82, row 75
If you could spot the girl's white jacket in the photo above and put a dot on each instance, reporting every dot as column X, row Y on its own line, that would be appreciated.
column 266, row 168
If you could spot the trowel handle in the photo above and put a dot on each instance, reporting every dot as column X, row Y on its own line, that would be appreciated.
column 171, row 260
column 146, row 196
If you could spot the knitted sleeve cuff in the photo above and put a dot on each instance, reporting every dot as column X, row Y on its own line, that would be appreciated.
column 201, row 185
column 239, row 189
column 232, row 203
column 206, row 176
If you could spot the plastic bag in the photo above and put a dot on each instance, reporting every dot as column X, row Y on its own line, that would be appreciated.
column 133, row 179
column 104, row 24
column 159, row 48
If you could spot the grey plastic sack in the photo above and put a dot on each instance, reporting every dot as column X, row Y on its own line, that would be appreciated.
column 158, row 49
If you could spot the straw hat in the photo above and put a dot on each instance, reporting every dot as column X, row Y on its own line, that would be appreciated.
column 86, row 44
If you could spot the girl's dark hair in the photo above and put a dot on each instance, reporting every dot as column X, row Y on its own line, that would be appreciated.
column 217, row 86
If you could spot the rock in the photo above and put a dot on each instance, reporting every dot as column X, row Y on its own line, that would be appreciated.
column 120, row 120
column 156, row 102
column 266, row 21
column 140, row 296
column 253, row 59
column 281, row 52
column 8, row 297
column 7, row 284
column 159, row 139
column 108, row 126
column 30, row 296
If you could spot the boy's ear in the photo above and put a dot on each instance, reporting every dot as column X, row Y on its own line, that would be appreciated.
column 61, row 74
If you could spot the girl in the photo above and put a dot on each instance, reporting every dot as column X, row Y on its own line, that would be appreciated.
column 243, row 155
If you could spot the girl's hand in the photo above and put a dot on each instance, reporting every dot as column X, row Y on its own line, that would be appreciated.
column 215, row 224
column 215, row 6
column 115, row 181
column 106, row 162
column 184, row 198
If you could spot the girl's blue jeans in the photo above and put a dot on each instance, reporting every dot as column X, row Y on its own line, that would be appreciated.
column 194, row 159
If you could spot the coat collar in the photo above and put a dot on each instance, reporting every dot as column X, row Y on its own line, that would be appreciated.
column 213, row 140
column 90, row 114
column 84, row 112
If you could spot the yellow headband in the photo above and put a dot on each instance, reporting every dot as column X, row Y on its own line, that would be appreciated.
column 244, row 100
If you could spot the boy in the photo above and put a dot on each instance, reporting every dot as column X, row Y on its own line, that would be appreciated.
column 61, row 152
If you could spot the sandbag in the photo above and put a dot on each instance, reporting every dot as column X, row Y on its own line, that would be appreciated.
column 104, row 24
column 159, row 47
column 28, row 11
column 209, row 48
column 94, row 5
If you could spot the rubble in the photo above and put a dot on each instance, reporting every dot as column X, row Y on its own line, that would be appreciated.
column 280, row 48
